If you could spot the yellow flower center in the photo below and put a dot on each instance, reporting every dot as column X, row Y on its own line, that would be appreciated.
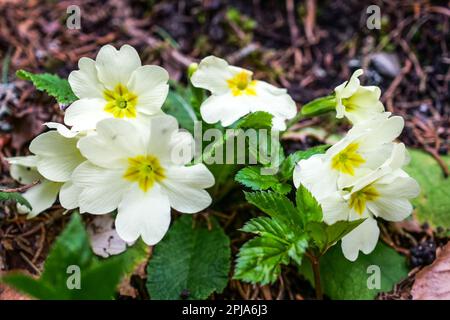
column 242, row 83
column 348, row 159
column 120, row 102
column 359, row 198
column 349, row 105
column 144, row 170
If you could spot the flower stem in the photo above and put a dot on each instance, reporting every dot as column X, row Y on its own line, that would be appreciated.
column 317, row 284
column 315, row 263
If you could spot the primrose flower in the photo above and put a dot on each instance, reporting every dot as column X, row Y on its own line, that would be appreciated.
column 365, row 147
column 56, row 162
column 115, row 85
column 357, row 102
column 138, row 170
column 376, row 195
column 235, row 94
column 382, row 193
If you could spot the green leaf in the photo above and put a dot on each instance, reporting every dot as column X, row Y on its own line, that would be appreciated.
column 259, row 260
column 177, row 104
column 52, row 84
column 255, row 120
column 343, row 279
column 98, row 277
column 319, row 106
column 252, row 178
column 282, row 188
column 308, row 206
column 288, row 165
column 280, row 239
column 324, row 236
column 14, row 196
column 191, row 261
column 433, row 203
column 265, row 226
column 275, row 205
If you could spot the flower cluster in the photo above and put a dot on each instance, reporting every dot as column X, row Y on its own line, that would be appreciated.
column 121, row 151
column 361, row 176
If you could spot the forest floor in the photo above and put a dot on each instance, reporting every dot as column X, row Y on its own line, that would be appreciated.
column 307, row 48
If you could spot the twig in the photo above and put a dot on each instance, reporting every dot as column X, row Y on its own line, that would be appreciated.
column 19, row 189
column 31, row 264
column 310, row 21
column 290, row 7
column 388, row 96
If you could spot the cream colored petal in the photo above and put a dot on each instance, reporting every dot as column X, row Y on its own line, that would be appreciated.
column 364, row 238
column 273, row 100
column 57, row 157
column 145, row 214
column 103, row 189
column 212, row 74
column 334, row 208
column 225, row 108
column 42, row 196
column 149, row 83
column 184, row 187
column 68, row 195
column 160, row 132
column 116, row 141
column 182, row 146
column 315, row 174
column 84, row 82
column 348, row 88
column 62, row 129
column 116, row 66
column 84, row 114
column 196, row 176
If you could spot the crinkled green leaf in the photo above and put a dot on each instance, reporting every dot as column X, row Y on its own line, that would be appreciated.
column 280, row 239
column 259, row 260
column 14, row 196
column 288, row 165
column 255, row 120
column 266, row 226
column 99, row 277
column 343, row 279
column 275, row 205
column 252, row 178
column 308, row 206
column 282, row 188
column 52, row 84
column 433, row 203
column 190, row 262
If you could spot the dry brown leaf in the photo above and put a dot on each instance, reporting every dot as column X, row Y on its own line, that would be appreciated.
column 104, row 239
column 433, row 281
